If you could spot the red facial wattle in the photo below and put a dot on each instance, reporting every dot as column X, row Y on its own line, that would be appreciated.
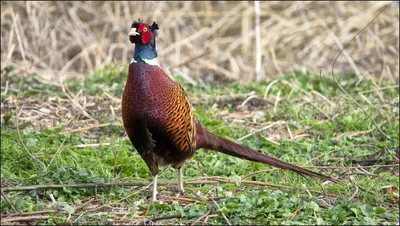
column 146, row 34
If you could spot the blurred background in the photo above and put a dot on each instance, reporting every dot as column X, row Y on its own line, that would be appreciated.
column 202, row 40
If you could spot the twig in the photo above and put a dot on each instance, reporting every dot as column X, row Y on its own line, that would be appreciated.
column 327, row 87
column 83, row 205
column 247, row 100
column 94, row 126
column 258, row 172
column 349, row 167
column 53, row 200
column 355, row 193
column 25, row 219
column 308, row 192
column 178, row 198
column 208, row 216
column 8, row 201
column 246, row 182
column 343, row 90
column 8, row 89
column 205, row 202
column 271, row 141
column 198, row 197
column 275, row 62
column 75, row 102
column 362, row 170
column 165, row 171
column 299, row 132
column 360, row 187
column 334, row 150
column 17, row 114
column 201, row 217
column 163, row 218
column 269, row 87
column 277, row 101
column 289, row 131
column 351, row 134
column 390, row 152
column 264, row 128
column 140, row 184
column 380, row 88
column 56, row 186
column 107, row 213
column 318, row 109
column 223, row 215
column 295, row 213
column 31, row 213
column 323, row 97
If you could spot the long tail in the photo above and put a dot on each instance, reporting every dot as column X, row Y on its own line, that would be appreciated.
column 208, row 140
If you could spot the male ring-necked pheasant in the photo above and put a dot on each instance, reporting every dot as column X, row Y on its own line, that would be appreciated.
column 159, row 120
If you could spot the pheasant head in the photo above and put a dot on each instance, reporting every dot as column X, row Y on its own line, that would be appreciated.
column 143, row 36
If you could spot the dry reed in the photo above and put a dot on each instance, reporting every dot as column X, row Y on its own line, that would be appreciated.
column 58, row 40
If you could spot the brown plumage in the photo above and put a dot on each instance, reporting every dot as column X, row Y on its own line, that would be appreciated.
column 159, row 120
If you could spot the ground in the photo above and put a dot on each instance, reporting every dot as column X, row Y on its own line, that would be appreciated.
column 73, row 136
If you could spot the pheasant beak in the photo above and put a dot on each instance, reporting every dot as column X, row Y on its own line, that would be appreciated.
column 133, row 32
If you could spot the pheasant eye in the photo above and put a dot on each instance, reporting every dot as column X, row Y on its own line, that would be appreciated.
column 145, row 29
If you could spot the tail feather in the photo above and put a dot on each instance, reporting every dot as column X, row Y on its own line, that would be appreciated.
column 225, row 146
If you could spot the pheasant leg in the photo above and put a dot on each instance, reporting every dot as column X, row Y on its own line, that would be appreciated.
column 155, row 188
column 180, row 178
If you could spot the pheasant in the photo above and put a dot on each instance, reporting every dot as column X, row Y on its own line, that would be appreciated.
column 159, row 120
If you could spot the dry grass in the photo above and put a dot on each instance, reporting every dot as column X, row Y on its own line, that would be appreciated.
column 57, row 40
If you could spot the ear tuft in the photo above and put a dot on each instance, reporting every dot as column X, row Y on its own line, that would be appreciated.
column 154, row 26
column 136, row 23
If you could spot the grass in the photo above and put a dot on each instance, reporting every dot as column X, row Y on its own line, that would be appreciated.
column 331, row 134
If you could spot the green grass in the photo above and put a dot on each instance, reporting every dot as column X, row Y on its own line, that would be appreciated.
column 331, row 141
